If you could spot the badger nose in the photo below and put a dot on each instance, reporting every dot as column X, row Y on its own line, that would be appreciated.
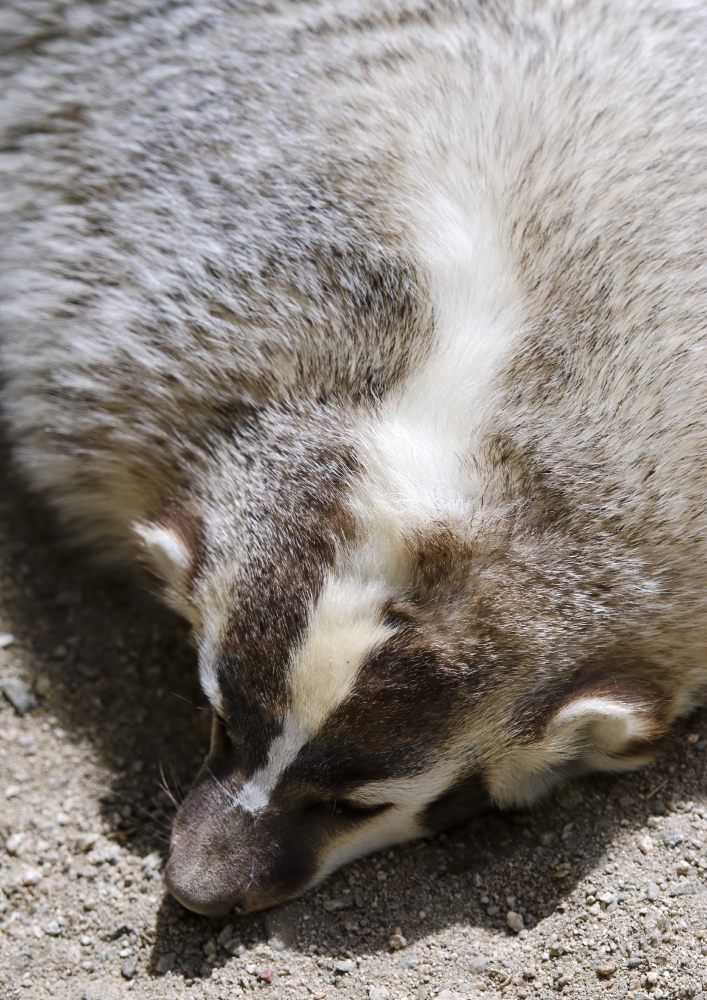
column 199, row 892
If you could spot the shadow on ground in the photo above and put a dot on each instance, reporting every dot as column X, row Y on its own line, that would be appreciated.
column 119, row 670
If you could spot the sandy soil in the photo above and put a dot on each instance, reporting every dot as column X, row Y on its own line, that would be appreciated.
column 608, row 877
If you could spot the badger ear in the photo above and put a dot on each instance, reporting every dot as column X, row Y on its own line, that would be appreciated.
column 171, row 544
column 593, row 730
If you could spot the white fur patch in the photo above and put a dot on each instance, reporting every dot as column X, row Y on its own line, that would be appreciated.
column 408, row 798
column 165, row 549
column 416, row 449
column 344, row 628
column 254, row 796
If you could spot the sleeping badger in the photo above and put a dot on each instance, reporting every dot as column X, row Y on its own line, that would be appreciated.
column 377, row 329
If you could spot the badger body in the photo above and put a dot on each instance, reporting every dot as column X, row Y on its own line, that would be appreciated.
column 378, row 330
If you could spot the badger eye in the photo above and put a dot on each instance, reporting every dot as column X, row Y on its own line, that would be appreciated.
column 355, row 810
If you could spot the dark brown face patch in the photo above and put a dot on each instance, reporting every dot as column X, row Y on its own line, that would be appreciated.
column 293, row 515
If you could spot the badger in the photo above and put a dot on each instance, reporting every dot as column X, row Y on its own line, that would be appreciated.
column 376, row 332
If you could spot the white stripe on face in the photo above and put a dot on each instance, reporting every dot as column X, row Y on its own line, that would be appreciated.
column 344, row 628
column 254, row 796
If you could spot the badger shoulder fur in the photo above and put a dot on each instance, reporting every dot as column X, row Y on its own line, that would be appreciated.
column 377, row 329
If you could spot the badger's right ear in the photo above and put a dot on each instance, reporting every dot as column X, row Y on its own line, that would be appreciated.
column 171, row 548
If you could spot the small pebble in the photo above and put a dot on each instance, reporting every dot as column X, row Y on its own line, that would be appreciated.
column 14, row 843
column 515, row 921
column 19, row 695
column 42, row 685
column 31, row 876
column 397, row 941
column 645, row 845
column 378, row 993
column 52, row 928
column 6, row 639
column 225, row 935
column 266, row 975
column 165, row 963
column 607, row 969
column 129, row 968
column 671, row 838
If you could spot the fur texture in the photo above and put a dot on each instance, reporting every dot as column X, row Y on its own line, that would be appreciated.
column 378, row 331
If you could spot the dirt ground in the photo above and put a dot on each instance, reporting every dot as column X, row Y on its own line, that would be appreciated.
column 605, row 884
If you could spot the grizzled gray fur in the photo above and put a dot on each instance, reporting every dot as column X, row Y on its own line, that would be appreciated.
column 376, row 332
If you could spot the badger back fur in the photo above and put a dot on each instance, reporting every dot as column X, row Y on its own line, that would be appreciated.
column 378, row 330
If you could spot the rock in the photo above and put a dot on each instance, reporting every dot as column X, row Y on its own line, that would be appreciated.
column 359, row 899
column 684, row 889
column 530, row 973
column 652, row 891
column 671, row 838
column 345, row 968
column 225, row 935
column 19, row 695
column 652, row 977
column 378, row 993
column 42, row 685
column 12, row 791
column 99, row 855
column 683, row 867
column 397, row 941
column 515, row 921
column 52, row 928
column 333, row 905
column 655, row 923
column 608, row 969
column 6, row 639
column 129, row 968
column 13, row 844
column 32, row 876
column 266, row 975
column 88, row 670
column 235, row 947
column 85, row 841
column 281, row 926
column 645, row 845
column 151, row 862
column 165, row 963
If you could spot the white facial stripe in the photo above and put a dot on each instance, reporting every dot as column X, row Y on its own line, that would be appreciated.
column 392, row 827
column 255, row 794
column 415, row 450
column 410, row 797
column 411, row 451
column 343, row 630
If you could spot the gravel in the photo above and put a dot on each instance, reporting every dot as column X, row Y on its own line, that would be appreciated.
column 601, row 891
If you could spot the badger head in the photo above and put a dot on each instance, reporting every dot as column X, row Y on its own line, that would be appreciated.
column 385, row 656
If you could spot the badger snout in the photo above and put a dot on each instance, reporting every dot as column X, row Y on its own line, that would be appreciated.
column 225, row 858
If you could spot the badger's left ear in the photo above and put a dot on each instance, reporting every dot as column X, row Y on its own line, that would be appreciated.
column 594, row 730
column 171, row 545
